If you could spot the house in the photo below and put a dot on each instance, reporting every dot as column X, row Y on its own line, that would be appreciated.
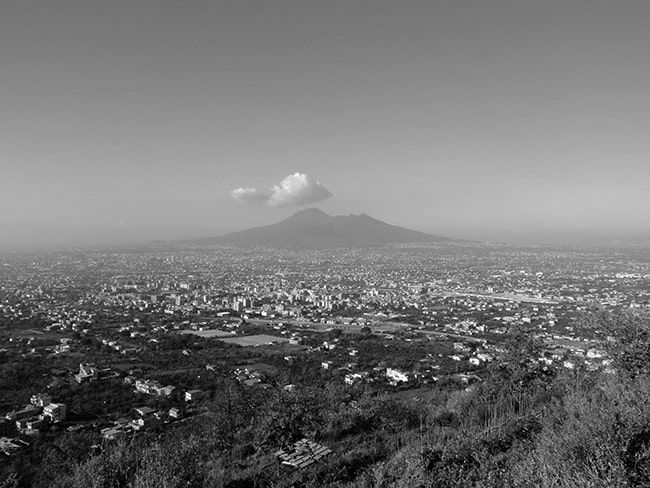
column 113, row 433
column 25, row 413
column 251, row 382
column 41, row 399
column 144, row 422
column 9, row 446
column 595, row 353
column 55, row 411
column 396, row 376
column 87, row 372
column 467, row 379
column 30, row 425
column 352, row 378
column 164, row 391
column 485, row 357
column 149, row 387
column 144, row 411
column 194, row 395
column 61, row 348
column 35, row 424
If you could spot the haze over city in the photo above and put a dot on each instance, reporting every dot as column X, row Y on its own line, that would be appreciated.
column 493, row 120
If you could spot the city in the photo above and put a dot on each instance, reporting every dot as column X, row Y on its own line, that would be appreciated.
column 140, row 341
column 324, row 244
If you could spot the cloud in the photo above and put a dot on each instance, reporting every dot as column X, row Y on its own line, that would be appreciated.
column 249, row 195
column 295, row 190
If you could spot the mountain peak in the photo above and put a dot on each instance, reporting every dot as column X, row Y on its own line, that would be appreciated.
column 313, row 228
column 311, row 210
column 308, row 216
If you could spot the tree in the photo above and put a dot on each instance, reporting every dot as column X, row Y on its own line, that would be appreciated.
column 517, row 379
column 625, row 337
column 287, row 417
column 334, row 333
column 10, row 481
column 115, row 466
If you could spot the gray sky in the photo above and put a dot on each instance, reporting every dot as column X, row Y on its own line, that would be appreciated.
column 124, row 120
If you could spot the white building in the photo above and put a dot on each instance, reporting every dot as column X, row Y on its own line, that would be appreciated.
column 193, row 395
column 41, row 399
column 396, row 376
column 55, row 411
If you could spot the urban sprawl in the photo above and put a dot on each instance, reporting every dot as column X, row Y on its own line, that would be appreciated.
column 128, row 341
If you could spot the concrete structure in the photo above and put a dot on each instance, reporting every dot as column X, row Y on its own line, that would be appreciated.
column 55, row 411
column 396, row 376
column 194, row 395
column 302, row 454
column 24, row 413
column 145, row 411
column 87, row 372
column 41, row 399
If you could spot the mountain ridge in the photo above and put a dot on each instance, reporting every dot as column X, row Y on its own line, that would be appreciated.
column 313, row 228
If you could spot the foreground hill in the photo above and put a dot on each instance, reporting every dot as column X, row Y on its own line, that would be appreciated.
column 526, row 424
column 313, row 228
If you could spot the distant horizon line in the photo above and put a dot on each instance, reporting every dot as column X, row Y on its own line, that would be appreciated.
column 56, row 237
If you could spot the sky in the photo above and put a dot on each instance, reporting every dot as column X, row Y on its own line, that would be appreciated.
column 129, row 120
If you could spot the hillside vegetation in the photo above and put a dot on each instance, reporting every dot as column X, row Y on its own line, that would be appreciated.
column 527, row 424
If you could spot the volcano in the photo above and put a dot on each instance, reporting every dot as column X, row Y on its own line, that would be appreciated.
column 313, row 228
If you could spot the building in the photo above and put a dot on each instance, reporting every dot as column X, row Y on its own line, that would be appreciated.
column 87, row 372
column 150, row 387
column 163, row 391
column 24, row 413
column 9, row 446
column 55, row 411
column 145, row 411
column 352, row 378
column 144, row 423
column 30, row 425
column 194, row 395
column 467, row 379
column 113, row 433
column 40, row 400
column 396, row 376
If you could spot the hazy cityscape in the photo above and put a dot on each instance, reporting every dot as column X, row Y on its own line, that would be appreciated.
column 324, row 244
column 145, row 340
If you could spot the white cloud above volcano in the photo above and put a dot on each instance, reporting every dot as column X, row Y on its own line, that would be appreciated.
column 295, row 190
